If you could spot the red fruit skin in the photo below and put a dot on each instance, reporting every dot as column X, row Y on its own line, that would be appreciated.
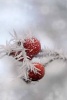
column 32, row 46
column 37, row 76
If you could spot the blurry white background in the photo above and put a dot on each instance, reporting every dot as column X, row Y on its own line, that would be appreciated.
column 47, row 20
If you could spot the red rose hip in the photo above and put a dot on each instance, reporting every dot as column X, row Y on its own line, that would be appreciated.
column 32, row 46
column 39, row 74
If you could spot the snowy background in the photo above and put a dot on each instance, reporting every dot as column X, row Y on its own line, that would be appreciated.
column 47, row 20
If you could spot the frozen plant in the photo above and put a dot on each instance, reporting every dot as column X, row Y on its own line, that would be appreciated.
column 24, row 49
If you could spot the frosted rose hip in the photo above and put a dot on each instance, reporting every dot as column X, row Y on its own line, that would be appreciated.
column 39, row 74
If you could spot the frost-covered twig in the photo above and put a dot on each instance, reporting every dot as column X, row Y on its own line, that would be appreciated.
column 52, row 54
column 47, row 52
